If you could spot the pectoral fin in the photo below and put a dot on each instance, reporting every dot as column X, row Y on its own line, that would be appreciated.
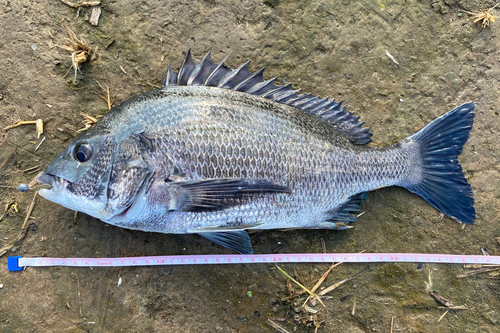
column 218, row 194
column 236, row 240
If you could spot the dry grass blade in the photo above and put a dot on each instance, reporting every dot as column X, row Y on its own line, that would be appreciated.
column 79, row 49
column 333, row 287
column 108, row 95
column 88, row 122
column 459, row 307
column 29, row 170
column 38, row 146
column 82, row 4
column 320, row 281
column 300, row 285
column 34, row 181
column 444, row 314
column 484, row 15
column 277, row 327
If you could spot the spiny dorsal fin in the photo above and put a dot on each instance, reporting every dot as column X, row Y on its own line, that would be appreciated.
column 212, row 74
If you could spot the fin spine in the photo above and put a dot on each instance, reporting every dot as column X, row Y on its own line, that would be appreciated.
column 210, row 73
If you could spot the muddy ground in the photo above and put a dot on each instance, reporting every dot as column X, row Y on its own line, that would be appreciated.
column 329, row 48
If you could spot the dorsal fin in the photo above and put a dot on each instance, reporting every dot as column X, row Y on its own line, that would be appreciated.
column 210, row 73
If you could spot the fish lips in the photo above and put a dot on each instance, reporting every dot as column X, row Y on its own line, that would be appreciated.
column 56, row 183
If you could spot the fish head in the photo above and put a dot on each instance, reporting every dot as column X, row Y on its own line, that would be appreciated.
column 80, row 174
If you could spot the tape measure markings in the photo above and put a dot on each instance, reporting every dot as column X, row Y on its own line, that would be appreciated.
column 18, row 263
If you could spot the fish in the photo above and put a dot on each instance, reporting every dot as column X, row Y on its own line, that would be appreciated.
column 218, row 151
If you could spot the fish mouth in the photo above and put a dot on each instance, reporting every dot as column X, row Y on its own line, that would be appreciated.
column 56, row 183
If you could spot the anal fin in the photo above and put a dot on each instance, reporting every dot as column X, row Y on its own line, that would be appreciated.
column 348, row 212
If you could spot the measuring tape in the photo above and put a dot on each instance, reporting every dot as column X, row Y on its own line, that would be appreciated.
column 18, row 263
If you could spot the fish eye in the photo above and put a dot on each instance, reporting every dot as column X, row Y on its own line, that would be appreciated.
column 82, row 152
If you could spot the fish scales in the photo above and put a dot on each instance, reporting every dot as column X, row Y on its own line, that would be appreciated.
column 215, row 161
column 215, row 121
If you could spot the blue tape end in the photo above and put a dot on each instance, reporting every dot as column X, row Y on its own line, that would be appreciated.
column 13, row 264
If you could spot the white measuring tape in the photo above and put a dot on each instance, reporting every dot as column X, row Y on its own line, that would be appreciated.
column 18, row 263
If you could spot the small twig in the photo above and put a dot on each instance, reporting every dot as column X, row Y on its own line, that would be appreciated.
column 441, row 299
column 392, row 323
column 109, row 44
column 354, row 307
column 24, row 228
column 82, row 4
column 38, row 123
column 447, row 304
column 40, row 143
column 28, row 214
column 300, row 285
column 478, row 271
column 9, row 159
column 79, row 300
column 19, row 123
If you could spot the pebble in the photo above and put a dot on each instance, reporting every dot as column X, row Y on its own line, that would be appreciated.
column 1, row 286
column 23, row 187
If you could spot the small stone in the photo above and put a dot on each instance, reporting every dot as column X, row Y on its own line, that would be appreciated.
column 23, row 187
column 436, row 7
column 1, row 286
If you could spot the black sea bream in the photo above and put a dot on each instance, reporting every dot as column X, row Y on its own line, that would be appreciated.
column 216, row 151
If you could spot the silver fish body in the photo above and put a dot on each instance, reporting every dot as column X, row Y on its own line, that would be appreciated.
column 216, row 158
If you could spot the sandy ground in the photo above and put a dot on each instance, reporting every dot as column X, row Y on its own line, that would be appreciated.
column 329, row 48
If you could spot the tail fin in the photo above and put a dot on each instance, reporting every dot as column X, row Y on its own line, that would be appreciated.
column 443, row 183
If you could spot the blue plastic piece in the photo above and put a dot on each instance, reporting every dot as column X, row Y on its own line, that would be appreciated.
column 23, row 187
column 13, row 264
